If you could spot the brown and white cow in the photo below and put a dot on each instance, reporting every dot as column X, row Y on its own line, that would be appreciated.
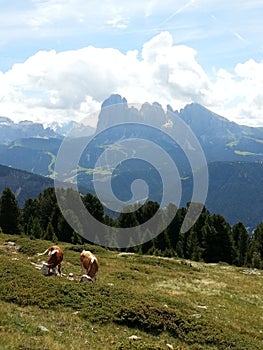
column 54, row 261
column 89, row 262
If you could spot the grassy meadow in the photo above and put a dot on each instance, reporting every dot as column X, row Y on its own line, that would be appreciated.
column 138, row 302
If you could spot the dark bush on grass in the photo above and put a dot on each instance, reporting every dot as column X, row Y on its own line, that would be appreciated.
column 152, row 319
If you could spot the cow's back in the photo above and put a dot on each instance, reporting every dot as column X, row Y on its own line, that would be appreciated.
column 89, row 263
column 56, row 256
column 94, row 267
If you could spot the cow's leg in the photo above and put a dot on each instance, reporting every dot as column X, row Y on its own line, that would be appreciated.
column 59, row 270
column 85, row 269
column 49, row 269
column 88, row 269
column 95, row 277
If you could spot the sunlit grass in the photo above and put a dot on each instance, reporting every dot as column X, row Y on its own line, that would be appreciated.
column 162, row 301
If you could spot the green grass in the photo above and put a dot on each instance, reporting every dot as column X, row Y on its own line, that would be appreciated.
column 162, row 301
column 246, row 153
column 51, row 165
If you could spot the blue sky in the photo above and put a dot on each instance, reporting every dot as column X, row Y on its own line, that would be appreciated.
column 59, row 59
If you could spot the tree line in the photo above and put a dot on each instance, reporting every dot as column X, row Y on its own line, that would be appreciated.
column 211, row 239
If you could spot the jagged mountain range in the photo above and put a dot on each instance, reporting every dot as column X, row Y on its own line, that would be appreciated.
column 11, row 131
column 234, row 154
column 220, row 139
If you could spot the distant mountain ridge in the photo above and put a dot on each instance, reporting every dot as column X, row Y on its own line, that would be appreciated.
column 23, row 184
column 234, row 153
column 11, row 131
column 220, row 138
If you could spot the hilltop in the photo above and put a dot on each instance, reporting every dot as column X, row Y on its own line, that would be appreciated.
column 166, row 303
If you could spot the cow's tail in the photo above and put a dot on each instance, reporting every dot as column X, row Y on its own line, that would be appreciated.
column 45, row 252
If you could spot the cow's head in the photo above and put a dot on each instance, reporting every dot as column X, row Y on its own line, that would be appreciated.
column 46, row 271
column 86, row 278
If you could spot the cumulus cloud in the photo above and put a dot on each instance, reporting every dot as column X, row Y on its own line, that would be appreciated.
column 238, row 95
column 72, row 84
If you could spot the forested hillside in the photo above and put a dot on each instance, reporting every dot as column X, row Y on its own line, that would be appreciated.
column 23, row 184
column 235, row 188
column 211, row 238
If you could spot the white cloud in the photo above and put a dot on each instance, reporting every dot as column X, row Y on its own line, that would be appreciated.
column 238, row 95
column 72, row 84
column 118, row 22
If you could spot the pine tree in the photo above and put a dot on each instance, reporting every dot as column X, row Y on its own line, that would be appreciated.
column 210, row 243
column 9, row 213
column 147, row 211
column 29, row 211
column 49, row 234
column 127, row 218
column 147, row 238
column 65, row 231
column 241, row 241
column 173, row 230
column 35, row 229
column 194, row 248
column 76, row 238
column 218, row 240
column 47, row 202
column 94, row 206
column 162, row 242
column 257, row 241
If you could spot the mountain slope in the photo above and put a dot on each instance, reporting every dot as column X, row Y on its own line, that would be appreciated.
column 36, row 155
column 236, row 191
column 234, row 154
column 23, row 184
column 235, row 188
column 137, row 302
column 221, row 139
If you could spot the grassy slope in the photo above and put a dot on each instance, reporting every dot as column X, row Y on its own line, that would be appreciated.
column 162, row 301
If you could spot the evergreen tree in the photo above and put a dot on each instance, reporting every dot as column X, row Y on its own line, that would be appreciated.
column 147, row 238
column 94, row 206
column 195, row 251
column 195, row 243
column 210, row 243
column 55, row 217
column 109, row 224
column 257, row 241
column 76, row 238
column 109, row 221
column 47, row 202
column 163, row 244
column 182, row 247
column 49, row 234
column 64, row 230
column 173, row 230
column 9, row 213
column 146, row 211
column 241, row 241
column 29, row 211
column 35, row 229
column 127, row 218
column 218, row 240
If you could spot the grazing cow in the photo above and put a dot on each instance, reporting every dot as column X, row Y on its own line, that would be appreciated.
column 55, row 259
column 89, row 262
